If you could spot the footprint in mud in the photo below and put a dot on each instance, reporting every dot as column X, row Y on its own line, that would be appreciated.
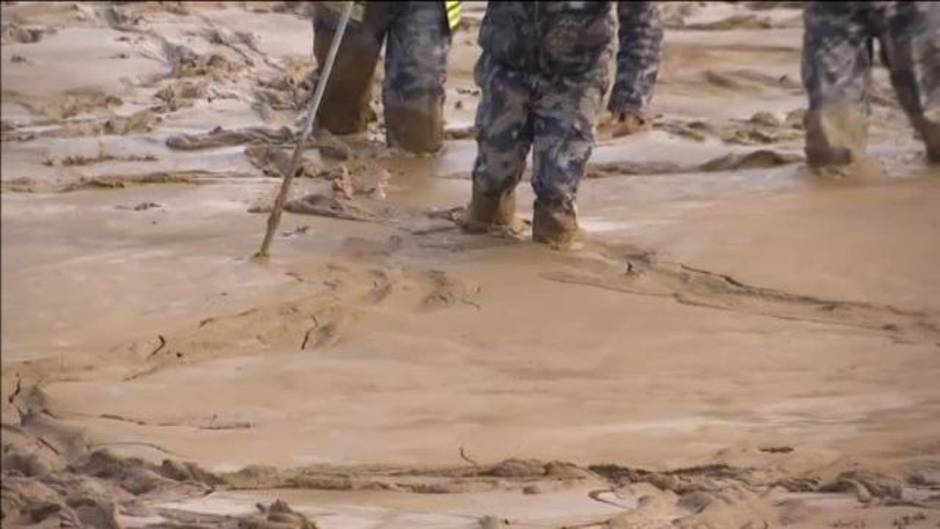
column 447, row 291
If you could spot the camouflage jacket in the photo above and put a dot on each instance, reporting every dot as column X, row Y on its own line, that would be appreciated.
column 573, row 39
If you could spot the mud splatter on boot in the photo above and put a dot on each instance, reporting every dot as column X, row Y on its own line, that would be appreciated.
column 835, row 136
column 556, row 224
column 491, row 214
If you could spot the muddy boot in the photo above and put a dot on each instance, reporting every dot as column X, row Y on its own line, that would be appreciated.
column 555, row 224
column 487, row 213
column 417, row 131
column 929, row 128
column 345, row 108
column 835, row 136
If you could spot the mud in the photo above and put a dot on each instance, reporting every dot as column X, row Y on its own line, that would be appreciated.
column 738, row 343
column 27, row 185
column 219, row 137
column 640, row 272
column 24, row 35
column 761, row 129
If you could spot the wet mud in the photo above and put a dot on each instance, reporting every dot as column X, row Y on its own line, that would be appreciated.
column 736, row 344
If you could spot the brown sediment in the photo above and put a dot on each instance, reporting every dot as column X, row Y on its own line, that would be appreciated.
column 759, row 358
column 28, row 185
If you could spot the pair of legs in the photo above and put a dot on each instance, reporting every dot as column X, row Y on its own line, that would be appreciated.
column 554, row 117
column 417, row 40
column 837, row 62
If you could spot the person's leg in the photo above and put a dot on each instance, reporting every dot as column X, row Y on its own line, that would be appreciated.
column 563, row 131
column 415, row 73
column 836, row 69
column 911, row 43
column 504, row 136
column 345, row 108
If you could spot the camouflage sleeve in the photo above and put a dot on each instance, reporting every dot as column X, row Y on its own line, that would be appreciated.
column 641, row 36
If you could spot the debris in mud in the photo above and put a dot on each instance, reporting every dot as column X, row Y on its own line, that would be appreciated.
column 341, row 183
column 290, row 91
column 776, row 449
column 761, row 129
column 120, row 19
column 324, row 206
column 299, row 230
column 16, row 34
column 219, row 137
column 65, row 106
column 181, row 94
column 753, row 160
column 80, row 160
column 106, row 181
column 16, row 58
column 761, row 158
column 275, row 162
column 143, row 206
column 136, row 123
column 187, row 63
column 750, row 79
column 866, row 484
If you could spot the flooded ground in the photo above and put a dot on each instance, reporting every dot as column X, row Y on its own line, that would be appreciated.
column 741, row 343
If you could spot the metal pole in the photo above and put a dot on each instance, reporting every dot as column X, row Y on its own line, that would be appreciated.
column 275, row 218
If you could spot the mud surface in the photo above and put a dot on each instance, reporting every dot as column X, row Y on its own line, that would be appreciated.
column 740, row 343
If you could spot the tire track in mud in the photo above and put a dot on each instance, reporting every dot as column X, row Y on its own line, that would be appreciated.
column 638, row 272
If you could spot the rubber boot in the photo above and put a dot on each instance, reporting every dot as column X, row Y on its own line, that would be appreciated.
column 417, row 131
column 555, row 224
column 491, row 213
column 929, row 128
column 345, row 108
column 835, row 136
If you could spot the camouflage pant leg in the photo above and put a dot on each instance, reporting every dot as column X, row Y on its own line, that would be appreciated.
column 504, row 128
column 911, row 44
column 345, row 108
column 415, row 73
column 836, row 70
column 563, row 130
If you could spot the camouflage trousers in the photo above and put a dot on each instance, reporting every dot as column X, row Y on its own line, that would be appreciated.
column 519, row 111
column 417, row 42
column 837, row 62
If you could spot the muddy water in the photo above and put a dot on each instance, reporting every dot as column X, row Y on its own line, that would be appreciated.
column 729, row 309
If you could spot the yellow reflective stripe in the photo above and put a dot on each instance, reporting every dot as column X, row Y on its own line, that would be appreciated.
column 453, row 13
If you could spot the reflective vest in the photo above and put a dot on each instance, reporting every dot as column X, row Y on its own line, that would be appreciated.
column 452, row 7
column 453, row 13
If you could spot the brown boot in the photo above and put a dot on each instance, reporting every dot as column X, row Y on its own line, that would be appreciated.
column 556, row 224
column 488, row 213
